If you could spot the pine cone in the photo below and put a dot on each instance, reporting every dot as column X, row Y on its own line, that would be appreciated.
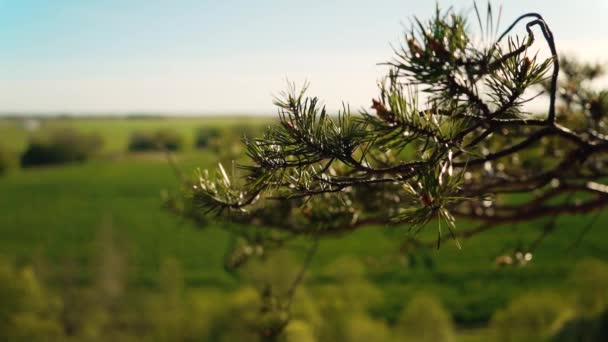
column 382, row 112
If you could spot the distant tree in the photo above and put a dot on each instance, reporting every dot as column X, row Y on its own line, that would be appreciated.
column 448, row 137
column 160, row 140
column 206, row 136
column 61, row 146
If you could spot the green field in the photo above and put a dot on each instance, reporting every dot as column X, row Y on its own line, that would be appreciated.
column 55, row 213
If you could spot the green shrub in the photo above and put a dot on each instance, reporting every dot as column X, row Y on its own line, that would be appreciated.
column 343, row 319
column 355, row 292
column 532, row 317
column 203, row 306
column 590, row 282
column 425, row 319
column 299, row 331
column 240, row 319
column 140, row 141
column 62, row 146
column 362, row 328
column 584, row 329
column 344, row 304
column 163, row 139
column 28, row 312
column 206, row 137
column 169, row 139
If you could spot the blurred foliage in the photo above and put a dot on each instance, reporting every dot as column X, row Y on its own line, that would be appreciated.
column 159, row 140
column 584, row 329
column 60, row 146
column 425, row 319
column 531, row 317
column 29, row 312
column 345, row 305
column 589, row 280
column 110, row 308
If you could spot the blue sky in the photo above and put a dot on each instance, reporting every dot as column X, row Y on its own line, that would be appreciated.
column 226, row 56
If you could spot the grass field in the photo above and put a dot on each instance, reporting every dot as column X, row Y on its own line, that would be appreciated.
column 56, row 212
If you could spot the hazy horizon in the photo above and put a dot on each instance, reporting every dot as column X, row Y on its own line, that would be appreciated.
column 218, row 58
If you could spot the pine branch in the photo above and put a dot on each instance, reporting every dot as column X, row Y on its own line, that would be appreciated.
column 461, row 153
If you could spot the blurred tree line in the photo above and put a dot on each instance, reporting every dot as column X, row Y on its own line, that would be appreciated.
column 57, row 146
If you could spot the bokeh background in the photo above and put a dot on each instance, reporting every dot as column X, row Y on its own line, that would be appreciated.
column 90, row 90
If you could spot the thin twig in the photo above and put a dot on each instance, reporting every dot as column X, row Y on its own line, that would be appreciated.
column 300, row 276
